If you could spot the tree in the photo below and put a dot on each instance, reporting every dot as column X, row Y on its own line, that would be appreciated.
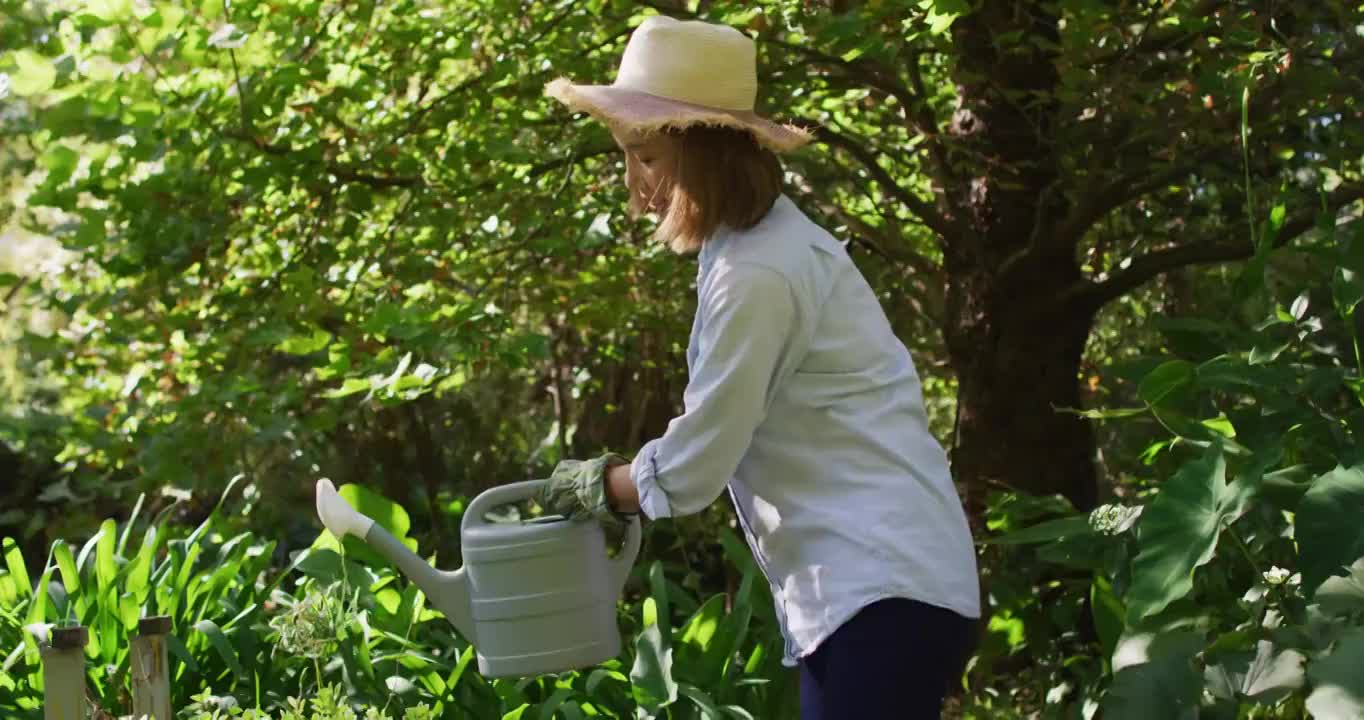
column 346, row 201
column 1083, row 150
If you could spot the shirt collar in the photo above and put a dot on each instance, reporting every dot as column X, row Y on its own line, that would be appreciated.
column 714, row 245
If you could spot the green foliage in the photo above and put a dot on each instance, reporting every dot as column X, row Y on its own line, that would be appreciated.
column 332, row 627
column 1234, row 583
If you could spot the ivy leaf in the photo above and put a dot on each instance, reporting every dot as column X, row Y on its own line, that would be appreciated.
column 1328, row 527
column 1178, row 532
column 1338, row 684
column 1264, row 677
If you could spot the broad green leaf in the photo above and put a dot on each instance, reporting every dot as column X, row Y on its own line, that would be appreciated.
column 1178, row 532
column 517, row 713
column 388, row 514
column 1264, row 677
column 1329, row 530
column 1337, row 682
column 651, row 679
column 1154, row 677
column 700, row 628
column 1165, row 380
column 35, row 74
column 1343, row 595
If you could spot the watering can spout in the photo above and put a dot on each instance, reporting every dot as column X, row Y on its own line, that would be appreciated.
column 447, row 591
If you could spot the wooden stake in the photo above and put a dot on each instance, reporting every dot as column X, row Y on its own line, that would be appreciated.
column 64, row 674
column 151, row 670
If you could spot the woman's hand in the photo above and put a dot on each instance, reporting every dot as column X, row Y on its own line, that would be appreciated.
column 589, row 489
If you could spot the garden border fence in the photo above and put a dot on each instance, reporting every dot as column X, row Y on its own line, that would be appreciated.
column 63, row 653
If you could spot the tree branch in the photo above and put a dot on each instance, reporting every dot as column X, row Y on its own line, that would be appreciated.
column 13, row 291
column 930, row 216
column 1147, row 267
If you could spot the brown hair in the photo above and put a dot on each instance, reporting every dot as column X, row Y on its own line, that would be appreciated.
column 722, row 177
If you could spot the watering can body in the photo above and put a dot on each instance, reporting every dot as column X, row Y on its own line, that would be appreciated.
column 533, row 597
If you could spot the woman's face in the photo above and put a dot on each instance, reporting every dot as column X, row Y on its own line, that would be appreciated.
column 648, row 159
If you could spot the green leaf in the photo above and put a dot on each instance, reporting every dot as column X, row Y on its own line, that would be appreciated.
column 1343, row 595
column 305, row 344
column 14, row 560
column 517, row 713
column 1178, row 532
column 1263, row 678
column 106, row 568
column 221, row 644
column 61, row 163
column 388, row 514
column 709, row 711
column 37, row 610
column 1347, row 290
column 651, row 679
column 1165, row 380
column 71, row 579
column 1108, row 614
column 1329, row 530
column 36, row 74
column 1076, row 525
column 140, row 572
column 110, row 10
column 1338, row 684
column 1154, row 677
column 350, row 387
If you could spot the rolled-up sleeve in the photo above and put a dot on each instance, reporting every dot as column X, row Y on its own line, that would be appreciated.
column 747, row 321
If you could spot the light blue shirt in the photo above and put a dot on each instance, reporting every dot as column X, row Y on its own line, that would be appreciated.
column 806, row 405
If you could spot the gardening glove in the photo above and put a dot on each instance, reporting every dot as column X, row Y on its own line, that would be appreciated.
column 577, row 490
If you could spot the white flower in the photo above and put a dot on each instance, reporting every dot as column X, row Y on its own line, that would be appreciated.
column 1113, row 519
column 1276, row 576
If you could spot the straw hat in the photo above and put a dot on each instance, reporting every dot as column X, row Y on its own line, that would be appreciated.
column 678, row 73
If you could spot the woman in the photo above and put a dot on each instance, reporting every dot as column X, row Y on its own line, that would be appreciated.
column 800, row 400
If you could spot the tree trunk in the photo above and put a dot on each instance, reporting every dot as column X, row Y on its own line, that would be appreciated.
column 1016, row 373
column 1015, row 346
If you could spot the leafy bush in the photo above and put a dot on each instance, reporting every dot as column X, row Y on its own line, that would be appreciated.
column 1236, row 585
column 337, row 625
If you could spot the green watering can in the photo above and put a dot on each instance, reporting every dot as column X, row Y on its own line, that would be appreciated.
column 534, row 597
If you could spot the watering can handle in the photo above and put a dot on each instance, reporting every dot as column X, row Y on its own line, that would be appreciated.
column 625, row 559
column 495, row 496
column 526, row 489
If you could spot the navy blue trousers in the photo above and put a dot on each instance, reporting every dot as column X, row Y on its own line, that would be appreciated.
column 897, row 658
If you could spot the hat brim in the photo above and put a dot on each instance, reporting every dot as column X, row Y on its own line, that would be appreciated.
column 641, row 112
